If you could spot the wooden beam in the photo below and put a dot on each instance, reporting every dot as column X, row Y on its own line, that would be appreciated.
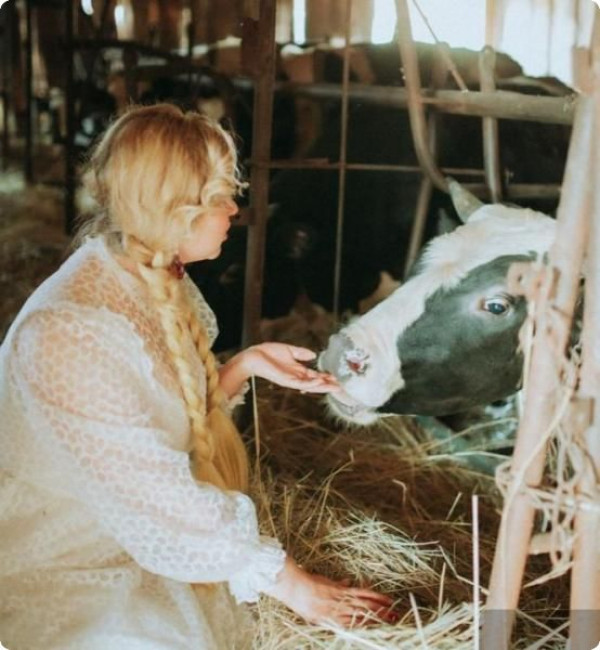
column 263, row 31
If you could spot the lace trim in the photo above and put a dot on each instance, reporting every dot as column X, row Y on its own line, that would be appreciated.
column 259, row 573
column 238, row 398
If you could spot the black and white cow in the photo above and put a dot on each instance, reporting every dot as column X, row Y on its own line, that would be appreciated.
column 447, row 339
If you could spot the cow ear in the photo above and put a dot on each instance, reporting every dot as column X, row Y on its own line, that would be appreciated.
column 464, row 202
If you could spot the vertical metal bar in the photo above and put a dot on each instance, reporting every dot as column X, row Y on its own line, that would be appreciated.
column 70, row 135
column 337, row 273
column 420, row 220
column 490, row 23
column 438, row 78
column 540, row 401
column 491, row 149
column 259, row 177
column 414, row 99
column 28, row 160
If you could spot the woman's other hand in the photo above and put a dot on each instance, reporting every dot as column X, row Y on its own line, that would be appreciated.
column 320, row 600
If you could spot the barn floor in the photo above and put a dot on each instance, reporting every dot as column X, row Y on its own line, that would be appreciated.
column 386, row 505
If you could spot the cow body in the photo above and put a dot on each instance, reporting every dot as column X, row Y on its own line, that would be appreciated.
column 448, row 339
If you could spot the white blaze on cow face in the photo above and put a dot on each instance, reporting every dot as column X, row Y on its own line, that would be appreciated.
column 365, row 357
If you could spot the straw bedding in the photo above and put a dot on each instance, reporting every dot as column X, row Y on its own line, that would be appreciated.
column 371, row 505
column 379, row 505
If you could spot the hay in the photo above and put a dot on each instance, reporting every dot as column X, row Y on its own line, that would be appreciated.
column 387, row 506
column 32, row 241
column 372, row 505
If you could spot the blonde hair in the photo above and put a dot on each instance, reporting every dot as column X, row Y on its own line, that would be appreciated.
column 155, row 171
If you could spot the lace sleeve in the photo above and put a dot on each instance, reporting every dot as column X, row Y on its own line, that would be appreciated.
column 91, row 412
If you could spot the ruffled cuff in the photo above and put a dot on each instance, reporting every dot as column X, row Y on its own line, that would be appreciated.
column 238, row 398
column 259, row 573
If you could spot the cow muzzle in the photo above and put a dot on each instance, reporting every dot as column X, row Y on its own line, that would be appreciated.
column 343, row 358
column 346, row 362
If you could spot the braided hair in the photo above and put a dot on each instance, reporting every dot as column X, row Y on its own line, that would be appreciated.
column 155, row 171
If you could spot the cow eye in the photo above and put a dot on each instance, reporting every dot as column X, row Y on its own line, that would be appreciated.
column 497, row 306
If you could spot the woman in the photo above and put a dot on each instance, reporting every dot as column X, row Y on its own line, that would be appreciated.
column 124, row 521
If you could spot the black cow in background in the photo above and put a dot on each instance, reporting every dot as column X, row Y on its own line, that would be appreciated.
column 379, row 205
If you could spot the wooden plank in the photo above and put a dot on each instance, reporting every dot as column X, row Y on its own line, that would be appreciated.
column 585, row 585
column 28, row 162
column 259, row 176
column 70, row 153
column 541, row 388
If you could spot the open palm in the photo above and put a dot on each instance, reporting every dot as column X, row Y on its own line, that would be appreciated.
column 283, row 364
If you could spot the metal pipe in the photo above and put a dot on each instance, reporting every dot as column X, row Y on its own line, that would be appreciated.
column 491, row 148
column 324, row 163
column 438, row 79
column 502, row 104
column 414, row 102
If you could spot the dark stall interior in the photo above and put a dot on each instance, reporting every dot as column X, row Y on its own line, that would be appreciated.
column 350, row 117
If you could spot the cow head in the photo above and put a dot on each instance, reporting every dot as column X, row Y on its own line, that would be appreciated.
column 447, row 339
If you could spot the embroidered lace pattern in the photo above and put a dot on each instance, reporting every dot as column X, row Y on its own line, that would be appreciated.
column 102, row 526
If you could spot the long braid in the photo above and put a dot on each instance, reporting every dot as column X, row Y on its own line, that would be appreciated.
column 230, row 453
column 218, row 454
column 156, row 171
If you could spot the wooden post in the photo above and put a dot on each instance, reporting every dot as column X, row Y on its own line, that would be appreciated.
column 6, row 20
column 28, row 159
column 339, row 236
column 264, row 32
column 585, row 576
column 70, row 154
column 541, row 388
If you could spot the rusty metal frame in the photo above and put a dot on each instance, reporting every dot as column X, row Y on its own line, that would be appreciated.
column 490, row 103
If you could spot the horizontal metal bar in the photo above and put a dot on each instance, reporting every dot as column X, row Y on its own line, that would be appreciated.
column 502, row 104
column 324, row 163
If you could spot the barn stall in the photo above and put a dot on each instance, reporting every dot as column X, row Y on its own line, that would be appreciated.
column 409, row 504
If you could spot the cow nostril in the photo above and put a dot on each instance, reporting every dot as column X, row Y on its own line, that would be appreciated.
column 355, row 366
column 357, row 361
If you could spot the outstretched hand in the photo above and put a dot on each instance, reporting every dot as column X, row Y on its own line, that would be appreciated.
column 320, row 600
column 283, row 364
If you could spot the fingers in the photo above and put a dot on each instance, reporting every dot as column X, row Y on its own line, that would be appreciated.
column 358, row 606
column 310, row 381
column 368, row 594
column 363, row 613
column 301, row 354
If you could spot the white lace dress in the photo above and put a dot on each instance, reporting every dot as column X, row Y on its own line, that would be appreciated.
column 102, row 526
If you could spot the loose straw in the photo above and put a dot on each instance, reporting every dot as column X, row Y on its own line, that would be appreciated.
column 476, row 609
